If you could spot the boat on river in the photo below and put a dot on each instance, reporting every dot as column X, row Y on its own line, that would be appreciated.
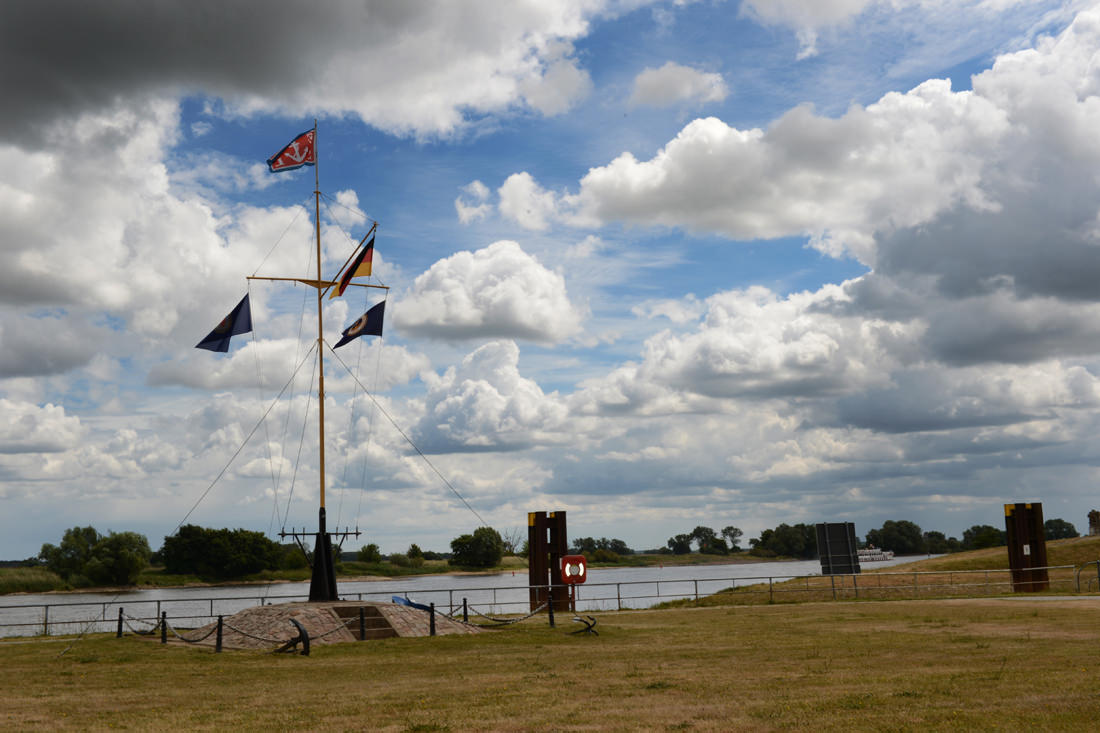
column 874, row 554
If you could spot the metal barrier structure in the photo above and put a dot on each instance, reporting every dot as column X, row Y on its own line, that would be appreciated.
column 190, row 612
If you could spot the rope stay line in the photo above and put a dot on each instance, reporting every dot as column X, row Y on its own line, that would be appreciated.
column 354, row 423
column 242, row 445
column 300, row 209
column 301, row 442
column 406, row 437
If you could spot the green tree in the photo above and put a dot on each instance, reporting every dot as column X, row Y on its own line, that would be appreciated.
column 981, row 536
column 1059, row 529
column 86, row 557
column 733, row 537
column 483, row 549
column 708, row 541
column 799, row 540
column 118, row 559
column 619, row 547
column 902, row 537
column 219, row 553
column 680, row 544
column 415, row 555
column 936, row 543
column 369, row 553
column 69, row 558
column 584, row 546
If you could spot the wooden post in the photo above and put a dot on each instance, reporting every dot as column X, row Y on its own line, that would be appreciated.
column 431, row 619
column 1027, row 548
column 118, row 635
column 163, row 627
column 362, row 624
column 218, row 638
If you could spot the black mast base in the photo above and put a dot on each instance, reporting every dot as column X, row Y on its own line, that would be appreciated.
column 322, row 584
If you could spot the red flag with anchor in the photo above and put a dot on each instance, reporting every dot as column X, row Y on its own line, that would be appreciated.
column 298, row 152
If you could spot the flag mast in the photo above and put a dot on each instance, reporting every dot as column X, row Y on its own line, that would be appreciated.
column 303, row 151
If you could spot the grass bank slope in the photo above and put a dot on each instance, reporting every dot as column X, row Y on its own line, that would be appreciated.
column 1076, row 551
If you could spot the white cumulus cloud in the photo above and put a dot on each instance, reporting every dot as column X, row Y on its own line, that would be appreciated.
column 675, row 84
column 496, row 292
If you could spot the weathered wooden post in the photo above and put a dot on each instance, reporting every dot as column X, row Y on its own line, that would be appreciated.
column 431, row 619
column 465, row 614
column 547, row 545
column 362, row 624
column 218, row 638
column 163, row 627
column 118, row 634
column 1027, row 547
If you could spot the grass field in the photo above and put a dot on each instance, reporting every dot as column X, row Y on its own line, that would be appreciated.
column 980, row 664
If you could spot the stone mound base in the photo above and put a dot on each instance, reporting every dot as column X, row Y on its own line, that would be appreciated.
column 327, row 622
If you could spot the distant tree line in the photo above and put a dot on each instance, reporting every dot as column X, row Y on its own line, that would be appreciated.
column 84, row 557
column 901, row 537
column 706, row 541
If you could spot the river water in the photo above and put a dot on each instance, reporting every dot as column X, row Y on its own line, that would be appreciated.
column 487, row 594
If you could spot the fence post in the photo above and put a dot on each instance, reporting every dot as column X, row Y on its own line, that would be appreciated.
column 619, row 595
column 218, row 639
column 855, row 585
column 362, row 624
column 550, row 605
column 118, row 635
column 431, row 619
column 696, row 582
column 465, row 613
column 46, row 621
column 832, row 580
column 163, row 627
column 916, row 588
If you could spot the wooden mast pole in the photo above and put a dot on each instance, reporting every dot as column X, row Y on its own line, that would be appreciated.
column 322, row 586
column 320, row 323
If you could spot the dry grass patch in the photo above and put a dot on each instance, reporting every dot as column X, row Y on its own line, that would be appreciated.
column 929, row 665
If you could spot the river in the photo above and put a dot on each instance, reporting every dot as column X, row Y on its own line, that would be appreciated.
column 488, row 594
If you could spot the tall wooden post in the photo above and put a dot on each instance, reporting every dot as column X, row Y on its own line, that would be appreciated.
column 547, row 543
column 1027, row 547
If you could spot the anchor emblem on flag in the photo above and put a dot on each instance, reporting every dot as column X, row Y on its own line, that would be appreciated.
column 298, row 152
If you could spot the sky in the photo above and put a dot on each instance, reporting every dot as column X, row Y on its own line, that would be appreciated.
column 655, row 263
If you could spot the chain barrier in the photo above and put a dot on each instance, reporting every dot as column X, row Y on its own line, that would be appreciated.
column 505, row 621
column 184, row 638
column 253, row 636
column 343, row 626
column 127, row 618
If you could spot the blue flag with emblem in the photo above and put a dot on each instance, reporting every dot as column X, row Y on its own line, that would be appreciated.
column 237, row 322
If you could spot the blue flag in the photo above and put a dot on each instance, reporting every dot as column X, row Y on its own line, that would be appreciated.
column 369, row 324
column 237, row 322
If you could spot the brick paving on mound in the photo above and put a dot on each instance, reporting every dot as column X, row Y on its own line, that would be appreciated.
column 328, row 622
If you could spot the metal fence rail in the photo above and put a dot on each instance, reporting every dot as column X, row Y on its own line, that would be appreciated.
column 101, row 616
